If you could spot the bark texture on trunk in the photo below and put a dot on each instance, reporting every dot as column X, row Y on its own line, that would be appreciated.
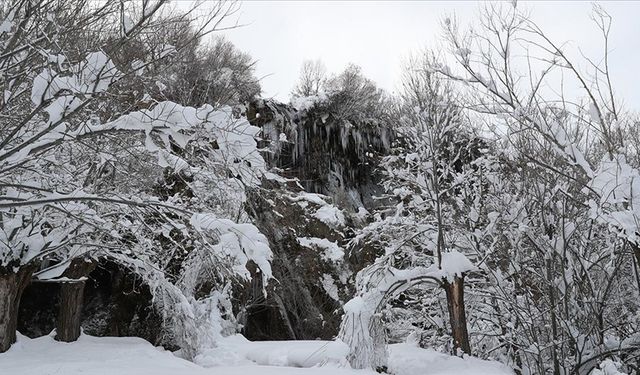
column 71, row 300
column 457, row 314
column 12, row 285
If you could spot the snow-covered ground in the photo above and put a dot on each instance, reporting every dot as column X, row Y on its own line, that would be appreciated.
column 236, row 356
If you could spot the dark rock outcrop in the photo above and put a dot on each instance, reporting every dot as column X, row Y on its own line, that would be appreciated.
column 328, row 154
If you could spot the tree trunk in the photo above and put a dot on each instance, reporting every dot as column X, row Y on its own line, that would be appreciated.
column 68, row 322
column 457, row 314
column 11, row 287
column 71, row 300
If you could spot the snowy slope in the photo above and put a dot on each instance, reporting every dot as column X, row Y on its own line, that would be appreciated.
column 135, row 356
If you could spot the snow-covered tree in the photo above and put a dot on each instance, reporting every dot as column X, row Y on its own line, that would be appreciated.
column 85, row 175
column 434, row 180
column 561, row 275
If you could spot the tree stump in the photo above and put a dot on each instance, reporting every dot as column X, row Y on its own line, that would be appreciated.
column 71, row 299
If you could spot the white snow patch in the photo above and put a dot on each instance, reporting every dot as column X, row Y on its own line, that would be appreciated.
column 330, row 287
column 307, row 102
column 455, row 263
column 310, row 197
column 331, row 251
column 330, row 215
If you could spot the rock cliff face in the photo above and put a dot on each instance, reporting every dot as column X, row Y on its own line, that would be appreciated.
column 303, row 301
column 328, row 154
column 329, row 165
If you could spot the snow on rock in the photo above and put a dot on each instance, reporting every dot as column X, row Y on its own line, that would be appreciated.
column 327, row 213
column 304, row 199
column 330, row 286
column 330, row 250
column 304, row 103
column 330, row 215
